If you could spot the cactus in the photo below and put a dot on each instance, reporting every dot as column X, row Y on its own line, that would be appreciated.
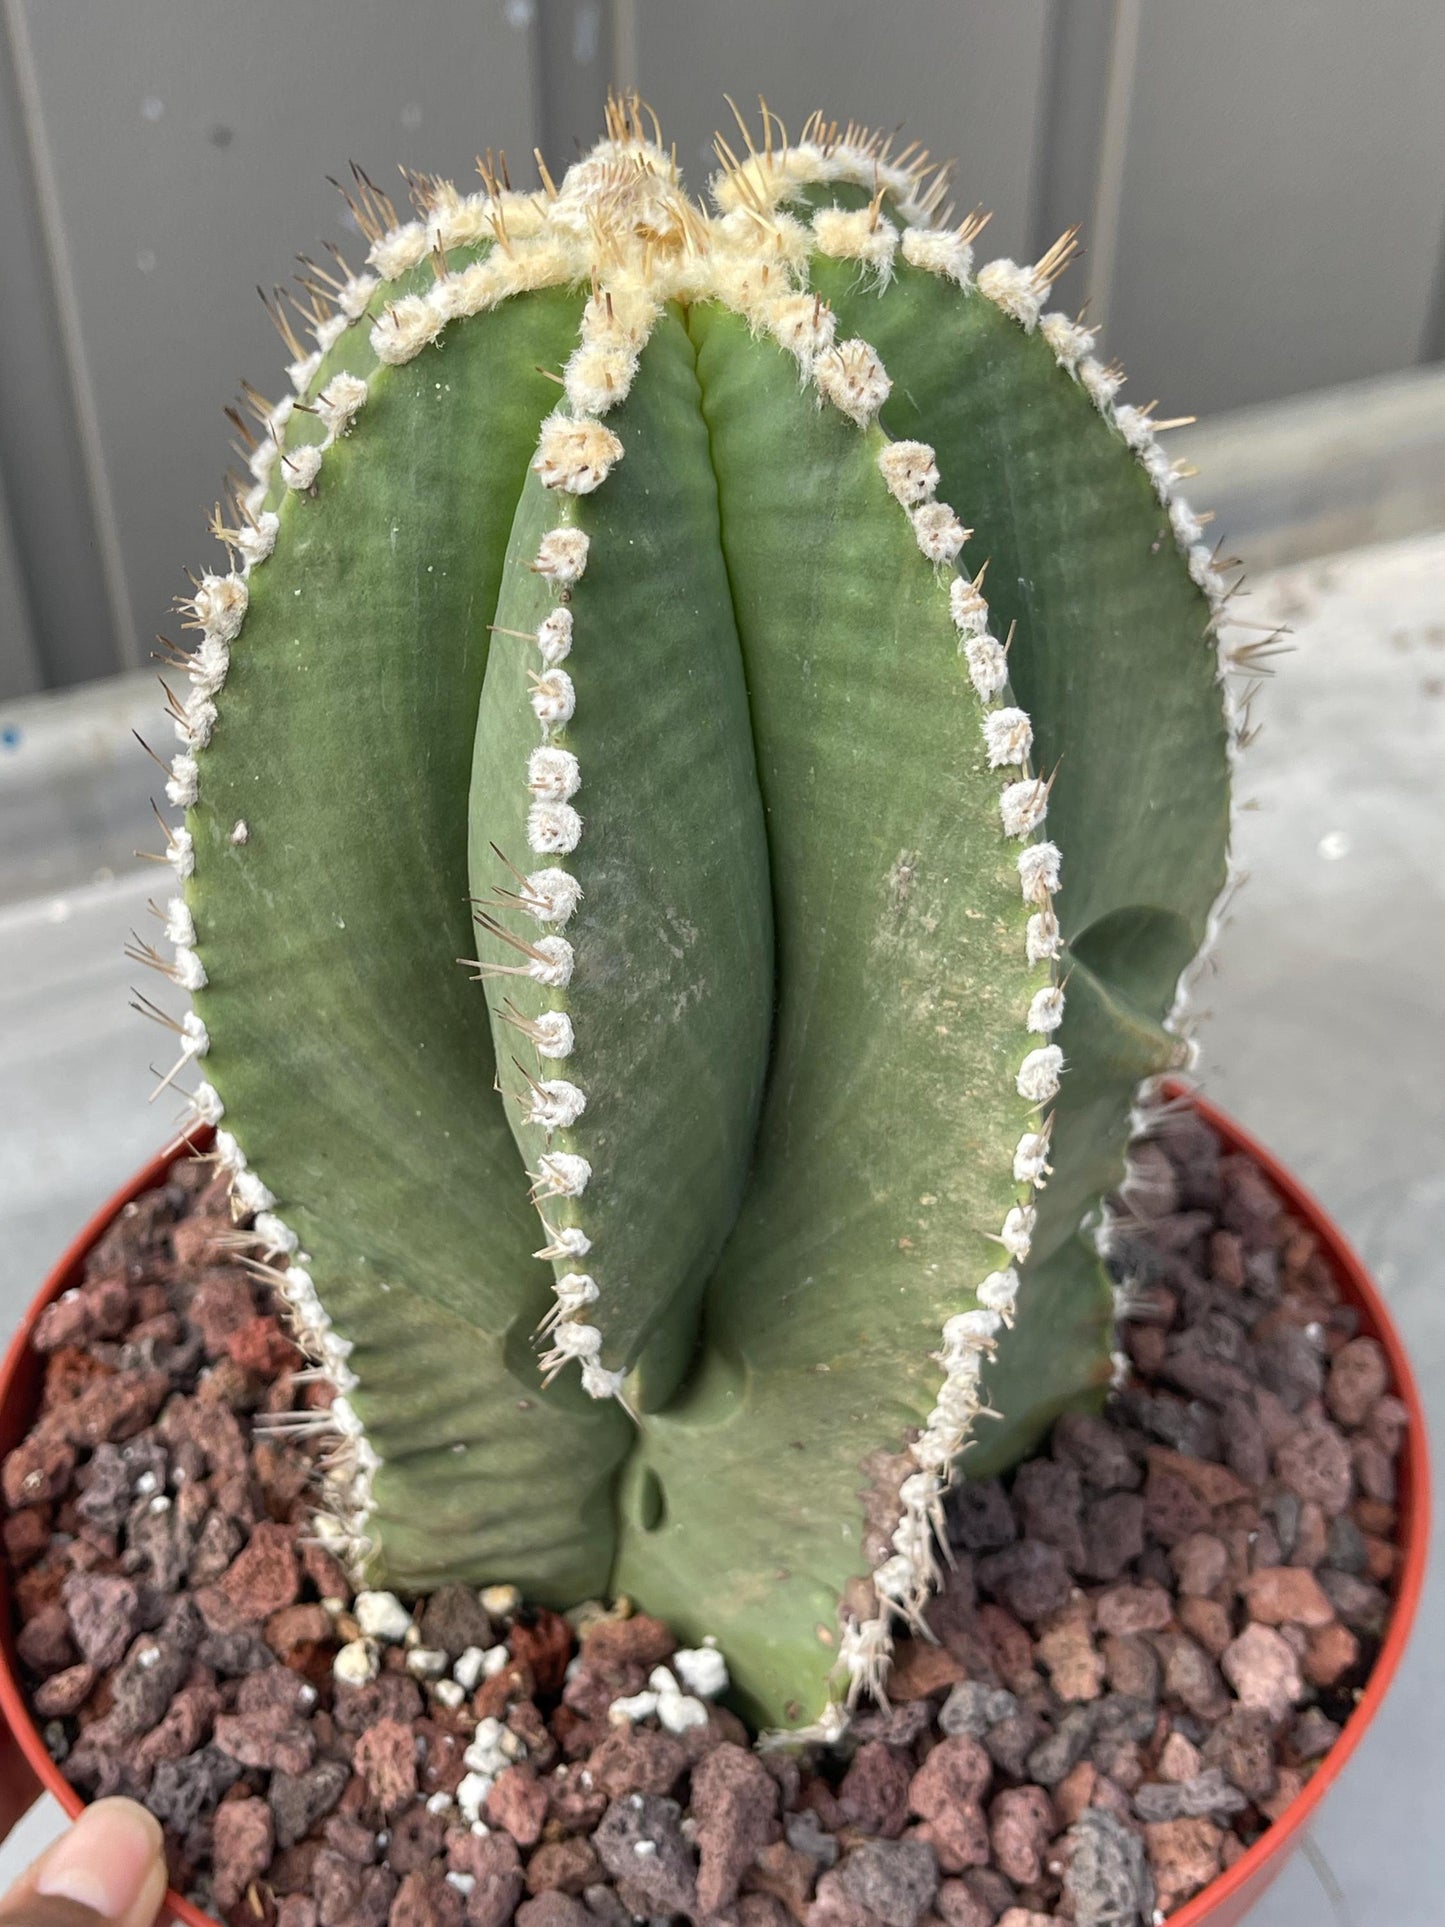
column 667, row 663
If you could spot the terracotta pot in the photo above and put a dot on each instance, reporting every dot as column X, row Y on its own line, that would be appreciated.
column 1226, row 1901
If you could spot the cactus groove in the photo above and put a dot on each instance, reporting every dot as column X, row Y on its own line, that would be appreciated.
column 667, row 665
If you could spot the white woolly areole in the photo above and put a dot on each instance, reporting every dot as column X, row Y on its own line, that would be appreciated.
column 406, row 327
column 188, row 970
column 1046, row 1011
column 857, row 234
column 1031, row 1158
column 970, row 1331
column 598, row 376
column 938, row 251
column 219, row 606
column 196, row 720
column 181, row 853
column 552, row 1033
column 987, row 665
column 1008, row 736
column 1101, row 384
column 257, row 539
column 1069, row 339
column 999, row 1292
column 400, row 249
column 562, row 555
column 301, row 466
column 1188, row 529
column 1042, row 936
column 1038, row 1076
column 1039, row 868
column 206, row 1103
column 1016, row 1234
column 180, row 924
column 1135, row 427
column 240, row 831
column 1023, row 806
column 563, row 1174
column 553, row 829
column 249, row 1194
column 598, row 1383
column 301, row 373
column 229, row 1154
column 573, row 1340
column 805, row 325
column 576, row 456
column 575, row 1290
column 553, row 775
column 195, row 1038
column 551, row 895
column 554, row 698
column 940, row 533
column 1019, row 291
column 554, row 963
column 339, row 401
column 853, row 378
column 911, row 471
column 208, row 666
column 556, row 1105
column 554, row 637
column 354, row 295
column 183, row 784
column 567, row 1241
column 328, row 333
column 1204, row 573
column 967, row 607
column 275, row 1237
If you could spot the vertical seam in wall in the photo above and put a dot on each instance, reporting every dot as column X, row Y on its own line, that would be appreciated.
column 1102, row 258
column 67, row 304
column 624, row 45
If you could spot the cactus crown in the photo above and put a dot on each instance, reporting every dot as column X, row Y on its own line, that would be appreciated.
column 715, row 626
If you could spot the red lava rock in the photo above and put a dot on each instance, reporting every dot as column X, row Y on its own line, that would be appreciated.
column 1066, row 1647
column 1332, row 1652
column 611, row 1644
column 44, row 1643
column 563, row 1866
column 63, row 1693
column 1113, row 1534
column 1208, row 1622
column 543, row 1641
column 296, row 1633
column 1200, row 1562
column 1173, row 1509
column 920, row 1669
column 1215, row 1484
column 959, row 1836
column 27, row 1537
column 1010, row 1649
column 874, row 1792
column 264, row 1576
column 1315, row 1464
column 242, row 1837
column 1183, row 1857
column 104, row 1611
column 426, row 1900
column 633, row 1760
column 787, row 1875
column 1075, row 1792
column 517, row 1804
column 1359, row 1376
column 1179, row 1759
column 1021, row 1824
column 386, row 1759
column 1024, row 1917
column 734, row 1809
column 1281, row 1593
column 295, row 1910
column 1029, row 1579
column 1131, row 1666
column 1191, row 1677
column 38, row 1470
column 1123, row 1610
column 187, row 1725
column 262, row 1348
column 271, row 1739
column 326, row 1574
column 1262, row 1668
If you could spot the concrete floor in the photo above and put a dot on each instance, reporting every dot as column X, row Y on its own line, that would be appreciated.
column 1318, row 1034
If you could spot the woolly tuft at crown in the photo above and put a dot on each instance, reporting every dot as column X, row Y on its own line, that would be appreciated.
column 670, row 660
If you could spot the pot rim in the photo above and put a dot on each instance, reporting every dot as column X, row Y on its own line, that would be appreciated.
column 1255, row 1868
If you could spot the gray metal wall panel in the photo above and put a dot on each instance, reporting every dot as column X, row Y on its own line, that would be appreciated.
column 1282, row 194
column 189, row 141
column 965, row 80
column 55, row 619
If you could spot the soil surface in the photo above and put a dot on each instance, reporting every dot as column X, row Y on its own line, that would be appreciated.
column 1148, row 1640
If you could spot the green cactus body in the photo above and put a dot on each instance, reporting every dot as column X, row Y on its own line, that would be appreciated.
column 687, row 1254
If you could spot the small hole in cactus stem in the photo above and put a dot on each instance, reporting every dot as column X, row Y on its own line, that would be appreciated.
column 649, row 1505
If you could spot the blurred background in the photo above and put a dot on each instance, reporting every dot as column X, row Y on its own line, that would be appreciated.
column 1262, row 195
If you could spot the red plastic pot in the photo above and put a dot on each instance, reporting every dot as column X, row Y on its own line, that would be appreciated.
column 1226, row 1901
